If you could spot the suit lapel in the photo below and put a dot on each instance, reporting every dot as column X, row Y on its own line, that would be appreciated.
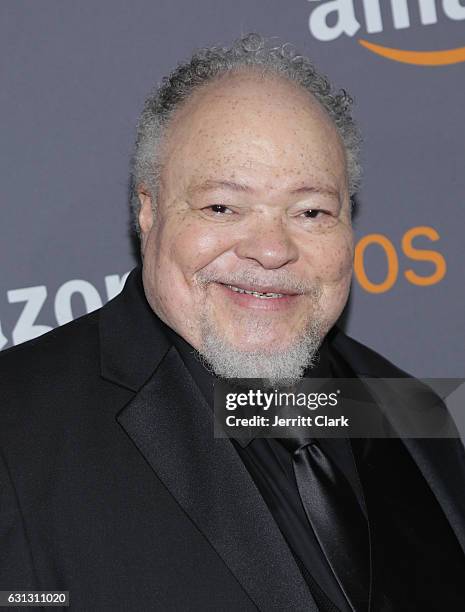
column 441, row 461
column 172, row 426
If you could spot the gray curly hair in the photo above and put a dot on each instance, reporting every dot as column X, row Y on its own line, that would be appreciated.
column 205, row 65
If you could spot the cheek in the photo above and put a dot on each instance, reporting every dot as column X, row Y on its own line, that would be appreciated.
column 193, row 246
column 336, row 278
column 340, row 262
column 330, row 258
column 181, row 252
column 183, row 247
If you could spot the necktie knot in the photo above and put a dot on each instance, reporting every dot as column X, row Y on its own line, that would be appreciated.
column 296, row 443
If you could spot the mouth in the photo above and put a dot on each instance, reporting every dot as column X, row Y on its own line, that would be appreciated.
column 263, row 297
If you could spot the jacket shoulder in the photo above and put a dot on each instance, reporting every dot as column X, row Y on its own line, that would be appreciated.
column 69, row 352
column 67, row 338
column 365, row 360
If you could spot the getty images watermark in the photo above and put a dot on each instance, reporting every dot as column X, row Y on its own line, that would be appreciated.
column 341, row 407
column 266, row 400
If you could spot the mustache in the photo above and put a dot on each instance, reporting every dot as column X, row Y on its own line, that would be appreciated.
column 285, row 280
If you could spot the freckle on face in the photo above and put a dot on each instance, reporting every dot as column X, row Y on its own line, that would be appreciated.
column 272, row 137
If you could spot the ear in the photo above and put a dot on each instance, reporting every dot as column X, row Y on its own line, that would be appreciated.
column 145, row 218
column 145, row 212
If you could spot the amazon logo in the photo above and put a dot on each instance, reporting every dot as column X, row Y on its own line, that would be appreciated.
column 330, row 19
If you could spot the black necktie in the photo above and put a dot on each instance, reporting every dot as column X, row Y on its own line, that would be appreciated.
column 336, row 517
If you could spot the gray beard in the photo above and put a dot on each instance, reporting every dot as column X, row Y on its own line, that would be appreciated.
column 283, row 367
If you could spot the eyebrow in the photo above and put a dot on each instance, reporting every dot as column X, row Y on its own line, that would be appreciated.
column 315, row 189
column 209, row 185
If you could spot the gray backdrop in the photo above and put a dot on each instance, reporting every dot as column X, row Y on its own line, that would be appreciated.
column 74, row 75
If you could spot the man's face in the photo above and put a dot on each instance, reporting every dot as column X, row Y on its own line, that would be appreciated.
column 251, row 243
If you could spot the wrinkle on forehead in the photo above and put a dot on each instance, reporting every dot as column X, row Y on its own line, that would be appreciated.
column 267, row 129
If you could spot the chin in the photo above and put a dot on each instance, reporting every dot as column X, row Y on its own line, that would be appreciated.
column 260, row 344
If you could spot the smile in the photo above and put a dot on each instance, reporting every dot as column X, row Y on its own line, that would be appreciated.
column 269, row 299
column 258, row 294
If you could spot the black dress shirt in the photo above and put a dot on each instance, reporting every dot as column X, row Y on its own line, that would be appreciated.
column 270, row 465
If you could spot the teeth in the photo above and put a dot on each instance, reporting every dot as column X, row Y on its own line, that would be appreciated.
column 258, row 294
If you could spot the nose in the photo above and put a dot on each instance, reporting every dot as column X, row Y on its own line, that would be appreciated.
column 268, row 243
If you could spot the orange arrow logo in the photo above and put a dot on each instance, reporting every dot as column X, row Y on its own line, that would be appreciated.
column 420, row 58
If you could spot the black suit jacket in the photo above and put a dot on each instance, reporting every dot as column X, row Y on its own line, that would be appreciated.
column 113, row 487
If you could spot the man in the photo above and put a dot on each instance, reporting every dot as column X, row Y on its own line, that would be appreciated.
column 113, row 485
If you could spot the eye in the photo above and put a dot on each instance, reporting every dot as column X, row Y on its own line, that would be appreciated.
column 317, row 219
column 312, row 213
column 219, row 209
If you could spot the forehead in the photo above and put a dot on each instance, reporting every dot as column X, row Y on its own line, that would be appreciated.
column 262, row 128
